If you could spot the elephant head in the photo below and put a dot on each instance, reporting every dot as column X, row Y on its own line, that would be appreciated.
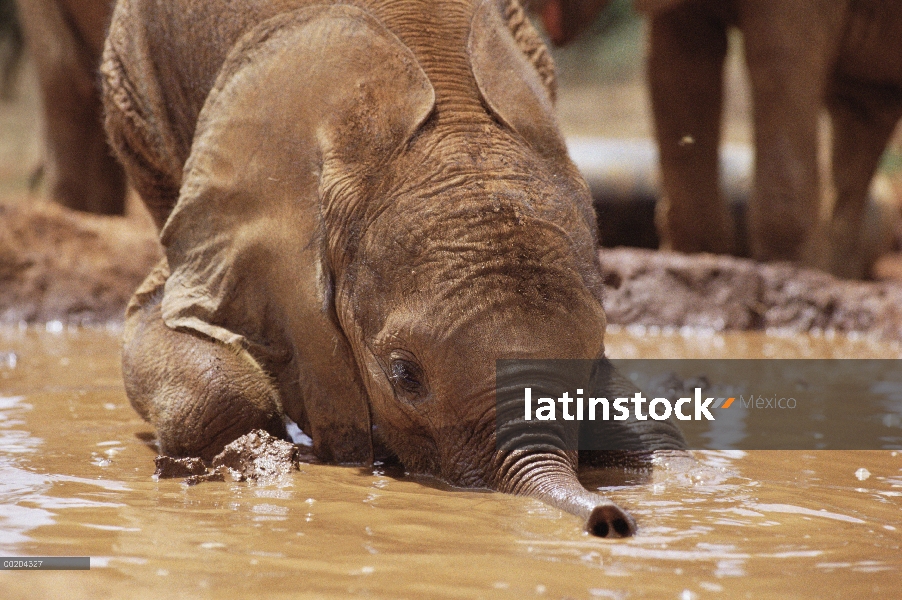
column 376, row 219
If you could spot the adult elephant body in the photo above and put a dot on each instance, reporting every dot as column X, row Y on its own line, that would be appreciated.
column 802, row 55
column 65, row 38
column 363, row 206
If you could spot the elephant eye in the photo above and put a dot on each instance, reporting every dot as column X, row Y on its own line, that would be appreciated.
column 407, row 377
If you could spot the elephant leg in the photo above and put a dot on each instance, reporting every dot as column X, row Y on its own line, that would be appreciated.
column 81, row 170
column 198, row 393
column 863, row 117
column 790, row 47
column 685, row 69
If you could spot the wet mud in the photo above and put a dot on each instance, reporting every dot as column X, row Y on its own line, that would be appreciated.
column 171, row 467
column 255, row 456
column 667, row 289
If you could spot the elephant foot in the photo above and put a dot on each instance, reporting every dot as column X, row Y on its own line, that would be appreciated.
column 848, row 247
column 191, row 422
column 782, row 229
column 695, row 230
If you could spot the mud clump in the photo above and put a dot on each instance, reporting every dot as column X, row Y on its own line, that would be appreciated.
column 256, row 456
column 169, row 467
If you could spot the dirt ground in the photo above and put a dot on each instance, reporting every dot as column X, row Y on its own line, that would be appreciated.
column 57, row 265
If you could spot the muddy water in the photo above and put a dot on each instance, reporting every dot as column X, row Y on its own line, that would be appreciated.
column 75, row 479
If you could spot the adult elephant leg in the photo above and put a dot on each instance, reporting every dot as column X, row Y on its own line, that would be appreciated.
column 198, row 393
column 790, row 46
column 685, row 69
column 863, row 117
column 81, row 170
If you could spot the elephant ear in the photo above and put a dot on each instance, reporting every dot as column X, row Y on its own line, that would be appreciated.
column 247, row 241
column 510, row 83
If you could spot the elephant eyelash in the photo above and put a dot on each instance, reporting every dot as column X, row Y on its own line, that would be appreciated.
column 407, row 376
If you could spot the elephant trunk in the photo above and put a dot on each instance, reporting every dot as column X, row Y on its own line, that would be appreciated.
column 549, row 475
column 538, row 458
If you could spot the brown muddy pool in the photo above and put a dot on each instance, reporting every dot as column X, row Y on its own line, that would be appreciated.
column 76, row 467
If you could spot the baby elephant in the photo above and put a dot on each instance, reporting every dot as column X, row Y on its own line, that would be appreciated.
column 363, row 205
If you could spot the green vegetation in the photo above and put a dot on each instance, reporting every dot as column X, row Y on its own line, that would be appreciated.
column 891, row 163
column 609, row 51
column 11, row 47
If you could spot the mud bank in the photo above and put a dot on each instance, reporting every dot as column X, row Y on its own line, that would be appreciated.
column 667, row 289
column 58, row 265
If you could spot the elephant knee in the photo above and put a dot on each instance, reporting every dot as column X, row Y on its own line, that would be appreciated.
column 212, row 400
column 198, row 393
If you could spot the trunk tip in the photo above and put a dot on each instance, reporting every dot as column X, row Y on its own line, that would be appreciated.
column 610, row 521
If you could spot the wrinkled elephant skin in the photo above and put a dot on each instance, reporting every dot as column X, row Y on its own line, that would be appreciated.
column 363, row 205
